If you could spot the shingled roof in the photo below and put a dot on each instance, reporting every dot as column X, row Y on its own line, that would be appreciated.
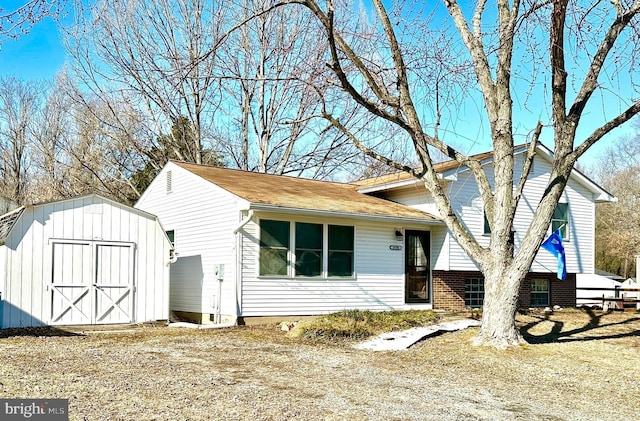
column 396, row 177
column 8, row 220
column 268, row 190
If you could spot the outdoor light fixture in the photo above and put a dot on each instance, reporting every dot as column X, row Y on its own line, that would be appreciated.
column 399, row 235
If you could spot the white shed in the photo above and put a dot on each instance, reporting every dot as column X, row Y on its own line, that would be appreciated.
column 80, row 261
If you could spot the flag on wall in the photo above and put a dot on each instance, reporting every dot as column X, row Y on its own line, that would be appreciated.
column 553, row 245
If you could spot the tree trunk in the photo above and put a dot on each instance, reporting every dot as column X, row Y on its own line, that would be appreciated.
column 501, row 290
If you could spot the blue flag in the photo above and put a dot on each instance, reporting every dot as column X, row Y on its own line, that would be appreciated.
column 553, row 245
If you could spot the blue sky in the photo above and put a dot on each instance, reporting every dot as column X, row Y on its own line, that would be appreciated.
column 40, row 55
column 36, row 55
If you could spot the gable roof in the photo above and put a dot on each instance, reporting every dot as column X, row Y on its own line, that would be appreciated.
column 398, row 179
column 9, row 219
column 284, row 193
column 447, row 168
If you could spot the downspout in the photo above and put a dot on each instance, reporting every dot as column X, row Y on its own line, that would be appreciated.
column 237, row 253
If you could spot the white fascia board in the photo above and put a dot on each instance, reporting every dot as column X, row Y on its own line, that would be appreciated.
column 243, row 204
column 404, row 183
column 390, row 186
column 336, row 214
column 600, row 195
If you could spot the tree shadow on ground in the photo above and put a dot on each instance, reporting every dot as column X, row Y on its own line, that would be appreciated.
column 35, row 332
column 596, row 321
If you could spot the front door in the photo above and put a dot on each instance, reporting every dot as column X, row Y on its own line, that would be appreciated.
column 417, row 268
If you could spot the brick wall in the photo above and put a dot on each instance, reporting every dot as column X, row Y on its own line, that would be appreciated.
column 448, row 289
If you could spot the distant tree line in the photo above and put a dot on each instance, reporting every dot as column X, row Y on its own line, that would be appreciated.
column 204, row 82
column 618, row 223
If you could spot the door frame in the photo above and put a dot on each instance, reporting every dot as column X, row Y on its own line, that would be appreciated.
column 426, row 235
column 91, row 288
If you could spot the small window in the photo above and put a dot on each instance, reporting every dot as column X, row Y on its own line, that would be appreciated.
column 274, row 247
column 487, row 227
column 474, row 292
column 308, row 249
column 560, row 220
column 539, row 292
column 172, row 237
column 340, row 250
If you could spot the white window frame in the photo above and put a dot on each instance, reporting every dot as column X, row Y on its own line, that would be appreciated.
column 566, row 235
column 546, row 292
column 291, row 252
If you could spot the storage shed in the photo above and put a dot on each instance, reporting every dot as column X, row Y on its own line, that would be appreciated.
column 82, row 261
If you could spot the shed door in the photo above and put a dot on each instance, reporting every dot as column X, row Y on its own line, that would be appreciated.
column 92, row 283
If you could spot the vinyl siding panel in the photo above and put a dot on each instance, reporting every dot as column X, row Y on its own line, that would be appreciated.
column 378, row 282
column 420, row 198
column 466, row 202
column 417, row 197
column 202, row 217
column 579, row 247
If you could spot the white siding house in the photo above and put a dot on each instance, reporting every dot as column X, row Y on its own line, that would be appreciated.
column 86, row 260
column 252, row 244
column 578, row 200
column 221, row 221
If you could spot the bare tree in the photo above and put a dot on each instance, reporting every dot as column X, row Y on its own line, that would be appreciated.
column 14, row 23
column 588, row 38
column 49, row 133
column 108, row 143
column 160, row 56
column 618, row 224
column 273, row 71
column 18, row 103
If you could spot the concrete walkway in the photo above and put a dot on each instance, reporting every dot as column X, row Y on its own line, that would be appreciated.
column 399, row 341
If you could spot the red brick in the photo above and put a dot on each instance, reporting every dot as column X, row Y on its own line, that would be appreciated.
column 448, row 289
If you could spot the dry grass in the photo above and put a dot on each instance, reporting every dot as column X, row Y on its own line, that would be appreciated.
column 578, row 366
column 359, row 324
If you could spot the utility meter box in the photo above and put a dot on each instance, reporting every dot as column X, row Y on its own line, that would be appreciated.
column 218, row 270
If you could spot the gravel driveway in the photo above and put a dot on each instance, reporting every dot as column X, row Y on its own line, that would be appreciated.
column 259, row 373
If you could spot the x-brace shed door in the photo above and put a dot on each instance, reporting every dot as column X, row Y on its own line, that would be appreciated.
column 92, row 282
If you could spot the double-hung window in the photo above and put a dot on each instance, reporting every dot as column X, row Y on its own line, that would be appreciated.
column 560, row 220
column 539, row 292
column 274, row 247
column 340, row 251
column 309, row 247
column 308, row 250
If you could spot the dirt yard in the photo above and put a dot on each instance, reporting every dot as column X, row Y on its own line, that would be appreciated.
column 578, row 366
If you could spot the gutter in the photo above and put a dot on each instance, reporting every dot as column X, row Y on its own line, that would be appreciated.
column 237, row 254
column 338, row 214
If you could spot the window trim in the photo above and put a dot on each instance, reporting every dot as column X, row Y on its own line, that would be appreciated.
column 295, row 248
column 292, row 247
column 479, row 280
column 566, row 235
column 351, row 252
column 261, row 247
column 547, row 292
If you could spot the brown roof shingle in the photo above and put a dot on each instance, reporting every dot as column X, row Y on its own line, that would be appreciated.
column 396, row 177
column 303, row 194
